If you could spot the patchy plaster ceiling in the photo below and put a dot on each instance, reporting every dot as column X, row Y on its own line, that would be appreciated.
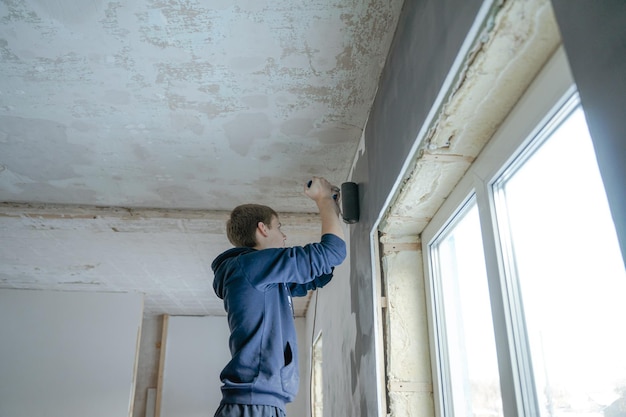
column 174, row 105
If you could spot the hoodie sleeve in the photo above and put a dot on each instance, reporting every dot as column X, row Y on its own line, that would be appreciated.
column 294, row 265
column 300, row 290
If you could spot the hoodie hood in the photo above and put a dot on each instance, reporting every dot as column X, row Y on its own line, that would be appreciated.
column 218, row 271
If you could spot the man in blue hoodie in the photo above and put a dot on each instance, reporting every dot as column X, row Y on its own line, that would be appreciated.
column 256, row 279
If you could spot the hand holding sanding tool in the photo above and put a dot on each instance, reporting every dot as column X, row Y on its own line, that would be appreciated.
column 348, row 197
column 334, row 189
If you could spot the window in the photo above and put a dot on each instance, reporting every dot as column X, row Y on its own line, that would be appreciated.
column 525, row 272
column 564, row 258
column 463, row 297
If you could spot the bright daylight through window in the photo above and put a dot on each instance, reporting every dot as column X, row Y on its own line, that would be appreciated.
column 527, row 281
column 564, row 258
column 469, row 343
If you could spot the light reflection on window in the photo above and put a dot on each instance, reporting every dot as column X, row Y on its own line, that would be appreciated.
column 473, row 381
column 570, row 272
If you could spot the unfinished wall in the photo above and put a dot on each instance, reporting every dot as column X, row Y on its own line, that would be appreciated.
column 508, row 46
column 496, row 69
column 408, row 371
column 427, row 40
column 517, row 39
column 520, row 37
column 330, row 314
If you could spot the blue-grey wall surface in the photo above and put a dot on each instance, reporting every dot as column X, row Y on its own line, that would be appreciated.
column 428, row 38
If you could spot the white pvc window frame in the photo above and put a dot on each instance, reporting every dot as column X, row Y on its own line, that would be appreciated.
column 552, row 88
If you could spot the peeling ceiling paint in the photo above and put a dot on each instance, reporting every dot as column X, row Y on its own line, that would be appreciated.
column 178, row 103
column 172, row 105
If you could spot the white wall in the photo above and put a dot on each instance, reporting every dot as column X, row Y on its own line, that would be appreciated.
column 68, row 354
column 196, row 350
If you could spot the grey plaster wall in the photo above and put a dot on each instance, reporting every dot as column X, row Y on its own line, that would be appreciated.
column 427, row 40
column 594, row 37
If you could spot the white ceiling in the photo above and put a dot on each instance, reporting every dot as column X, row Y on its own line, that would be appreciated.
column 129, row 129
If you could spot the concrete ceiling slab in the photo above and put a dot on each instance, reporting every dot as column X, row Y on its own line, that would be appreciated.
column 176, row 105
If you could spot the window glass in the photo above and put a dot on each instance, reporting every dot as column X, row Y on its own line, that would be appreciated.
column 565, row 260
column 467, row 339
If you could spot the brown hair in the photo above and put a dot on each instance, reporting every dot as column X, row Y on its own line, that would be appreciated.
column 241, row 227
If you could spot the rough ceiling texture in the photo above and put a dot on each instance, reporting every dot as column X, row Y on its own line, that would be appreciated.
column 187, row 106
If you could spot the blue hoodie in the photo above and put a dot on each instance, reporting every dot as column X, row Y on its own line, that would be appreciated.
column 256, row 286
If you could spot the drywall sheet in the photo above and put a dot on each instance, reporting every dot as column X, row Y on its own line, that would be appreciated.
column 68, row 354
column 196, row 351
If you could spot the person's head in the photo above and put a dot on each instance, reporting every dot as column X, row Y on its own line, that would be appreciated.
column 254, row 226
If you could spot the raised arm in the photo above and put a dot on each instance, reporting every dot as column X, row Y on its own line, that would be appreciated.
column 321, row 191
